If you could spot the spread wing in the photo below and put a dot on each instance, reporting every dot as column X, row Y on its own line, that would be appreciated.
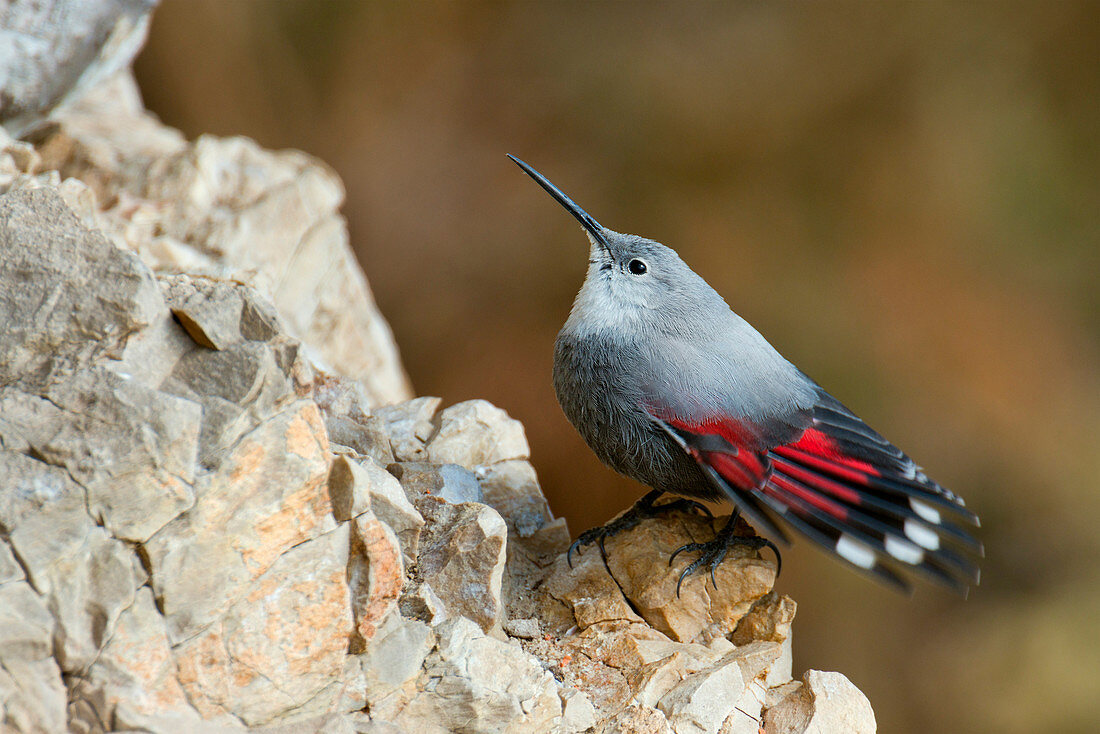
column 834, row 479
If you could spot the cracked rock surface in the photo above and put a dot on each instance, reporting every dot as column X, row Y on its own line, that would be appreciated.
column 221, row 509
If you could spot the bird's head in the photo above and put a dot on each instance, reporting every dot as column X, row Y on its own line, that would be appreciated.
column 633, row 283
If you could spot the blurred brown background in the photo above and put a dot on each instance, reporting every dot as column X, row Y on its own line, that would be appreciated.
column 903, row 198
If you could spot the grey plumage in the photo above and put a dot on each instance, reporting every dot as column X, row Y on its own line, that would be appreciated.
column 669, row 386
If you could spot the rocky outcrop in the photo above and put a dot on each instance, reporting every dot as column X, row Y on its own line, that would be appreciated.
column 56, row 50
column 221, row 509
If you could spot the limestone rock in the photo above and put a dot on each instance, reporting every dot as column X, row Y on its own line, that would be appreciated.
column 134, row 679
column 26, row 626
column 348, row 488
column 769, row 618
column 69, row 295
column 638, row 562
column 237, row 388
column 32, row 695
column 346, row 407
column 701, row 612
column 421, row 603
column 577, row 712
column 826, row 702
column 702, row 701
column 43, row 511
column 409, row 425
column 225, row 208
column 448, row 482
column 476, row 433
column 281, row 644
column 133, row 449
column 267, row 497
column 592, row 595
column 218, row 314
column 10, row 570
column 90, row 591
column 481, row 684
column 391, row 506
column 392, row 664
column 512, row 489
column 636, row 720
column 375, row 576
column 524, row 628
column 58, row 50
column 462, row 554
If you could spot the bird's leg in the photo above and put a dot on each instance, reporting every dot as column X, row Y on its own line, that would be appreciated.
column 714, row 551
column 641, row 510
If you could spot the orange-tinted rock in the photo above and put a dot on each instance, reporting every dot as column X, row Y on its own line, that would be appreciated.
column 375, row 575
column 281, row 644
column 268, row 496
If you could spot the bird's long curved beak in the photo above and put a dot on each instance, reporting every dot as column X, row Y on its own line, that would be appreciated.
column 591, row 225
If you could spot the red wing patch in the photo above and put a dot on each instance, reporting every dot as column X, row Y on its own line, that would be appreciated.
column 843, row 486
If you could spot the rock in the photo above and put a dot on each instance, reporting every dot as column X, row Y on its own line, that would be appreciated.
column 348, row 488
column 512, row 489
column 32, row 695
column 636, row 556
column 481, row 685
column 69, row 295
column 353, row 694
column 776, row 694
column 409, row 425
column 346, row 407
column 217, row 314
column 588, row 590
column 702, row 701
column 26, row 625
column 636, row 720
column 57, row 51
column 391, row 506
column 746, row 715
column 421, row 603
column 526, row 629
column 133, row 681
column 90, row 590
column 448, row 482
column 226, row 209
column 826, row 702
column 86, row 578
column 462, row 554
column 375, row 576
column 282, row 642
column 577, row 712
column 237, row 387
column 10, row 570
column 132, row 448
column 276, row 213
column 392, row 664
column 268, row 496
column 476, row 433
column 43, row 511
column 701, row 612
column 769, row 618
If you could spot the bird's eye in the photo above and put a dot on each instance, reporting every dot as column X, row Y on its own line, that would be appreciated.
column 637, row 267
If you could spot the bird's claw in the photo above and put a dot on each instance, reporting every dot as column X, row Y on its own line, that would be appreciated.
column 600, row 535
column 641, row 510
column 714, row 552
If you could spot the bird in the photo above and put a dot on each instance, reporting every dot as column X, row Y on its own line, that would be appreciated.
column 670, row 387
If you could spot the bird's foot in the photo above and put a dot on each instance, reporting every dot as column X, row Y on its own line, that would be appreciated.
column 714, row 552
column 642, row 509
